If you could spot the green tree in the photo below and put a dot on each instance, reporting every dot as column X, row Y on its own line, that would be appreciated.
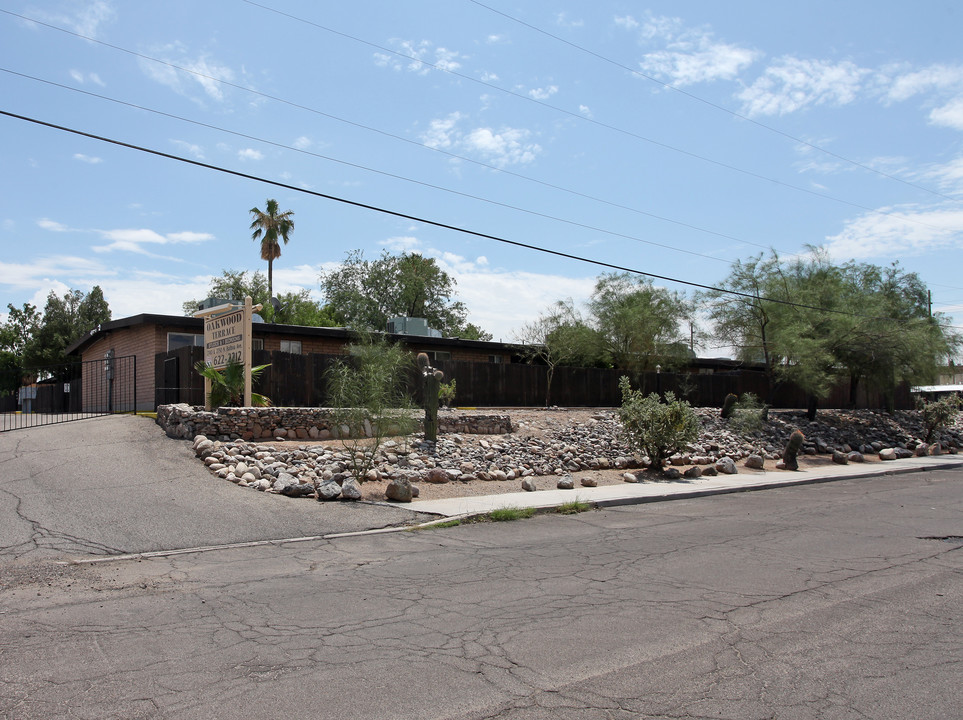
column 11, row 372
column 65, row 320
column 811, row 322
column 558, row 337
column 744, row 315
column 269, row 226
column 367, row 293
column 20, row 327
column 638, row 323
column 297, row 308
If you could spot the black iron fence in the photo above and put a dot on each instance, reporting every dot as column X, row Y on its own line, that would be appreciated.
column 298, row 380
column 73, row 391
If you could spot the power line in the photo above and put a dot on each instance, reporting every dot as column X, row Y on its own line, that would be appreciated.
column 486, row 84
column 433, row 223
column 403, row 178
column 599, row 123
column 711, row 104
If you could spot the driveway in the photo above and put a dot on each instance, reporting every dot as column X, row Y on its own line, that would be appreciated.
column 117, row 484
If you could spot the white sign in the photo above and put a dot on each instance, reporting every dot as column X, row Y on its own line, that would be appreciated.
column 224, row 339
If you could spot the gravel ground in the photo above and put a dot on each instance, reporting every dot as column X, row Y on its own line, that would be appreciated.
column 597, row 428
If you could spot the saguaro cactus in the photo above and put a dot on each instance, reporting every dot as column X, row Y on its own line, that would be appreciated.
column 792, row 449
column 431, row 384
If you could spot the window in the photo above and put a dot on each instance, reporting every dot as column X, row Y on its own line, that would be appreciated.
column 179, row 340
column 496, row 359
column 438, row 355
column 257, row 343
column 291, row 346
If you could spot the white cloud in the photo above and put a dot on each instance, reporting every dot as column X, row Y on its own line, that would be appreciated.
column 562, row 20
column 201, row 70
column 85, row 19
column 89, row 159
column 250, row 154
column 543, row 93
column 419, row 58
column 134, row 239
column 52, row 225
column 903, row 232
column 904, row 83
column 402, row 243
column 950, row 115
column 691, row 55
column 195, row 151
column 506, row 146
column 39, row 273
column 501, row 301
column 441, row 132
column 628, row 22
column 791, row 84
column 502, row 147
column 302, row 143
column 949, row 175
column 82, row 79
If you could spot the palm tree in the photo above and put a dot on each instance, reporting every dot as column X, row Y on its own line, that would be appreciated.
column 268, row 226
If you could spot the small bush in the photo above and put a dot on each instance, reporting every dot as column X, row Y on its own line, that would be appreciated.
column 937, row 414
column 658, row 429
column 446, row 393
column 747, row 413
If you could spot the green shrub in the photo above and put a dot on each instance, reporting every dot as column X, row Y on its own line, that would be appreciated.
column 747, row 414
column 657, row 429
column 368, row 397
column 937, row 414
column 446, row 393
column 227, row 385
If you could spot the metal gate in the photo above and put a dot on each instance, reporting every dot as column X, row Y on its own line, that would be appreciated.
column 73, row 391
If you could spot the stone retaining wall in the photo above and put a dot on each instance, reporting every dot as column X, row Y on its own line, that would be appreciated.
column 295, row 423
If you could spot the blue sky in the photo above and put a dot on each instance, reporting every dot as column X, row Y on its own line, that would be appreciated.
column 672, row 138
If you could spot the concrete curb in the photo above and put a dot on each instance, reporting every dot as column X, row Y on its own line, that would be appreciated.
column 647, row 492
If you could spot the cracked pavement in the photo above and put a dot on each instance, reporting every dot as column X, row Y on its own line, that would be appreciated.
column 837, row 600
column 117, row 484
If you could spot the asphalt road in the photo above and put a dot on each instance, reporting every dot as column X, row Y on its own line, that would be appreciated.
column 117, row 484
column 836, row 601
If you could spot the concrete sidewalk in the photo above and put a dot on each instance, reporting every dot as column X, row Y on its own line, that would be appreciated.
column 658, row 491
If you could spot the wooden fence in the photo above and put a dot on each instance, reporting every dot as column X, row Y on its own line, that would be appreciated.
column 298, row 380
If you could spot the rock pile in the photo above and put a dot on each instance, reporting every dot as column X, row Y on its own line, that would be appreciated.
column 564, row 448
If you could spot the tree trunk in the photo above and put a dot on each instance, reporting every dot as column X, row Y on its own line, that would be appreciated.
column 811, row 410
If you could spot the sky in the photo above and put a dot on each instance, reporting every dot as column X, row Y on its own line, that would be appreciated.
column 668, row 138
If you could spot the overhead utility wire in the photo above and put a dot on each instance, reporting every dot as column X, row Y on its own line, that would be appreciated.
column 717, row 106
column 336, row 118
column 534, row 213
column 425, row 221
column 578, row 116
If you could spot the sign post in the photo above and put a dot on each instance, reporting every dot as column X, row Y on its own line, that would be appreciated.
column 227, row 338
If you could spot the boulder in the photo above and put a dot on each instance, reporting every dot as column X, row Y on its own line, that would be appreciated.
column 856, row 457
column 589, row 482
column 566, row 482
column 840, row 458
column 399, row 490
column 726, row 465
column 350, row 490
column 887, row 454
column 693, row 472
column 755, row 462
column 329, row 490
column 528, row 485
